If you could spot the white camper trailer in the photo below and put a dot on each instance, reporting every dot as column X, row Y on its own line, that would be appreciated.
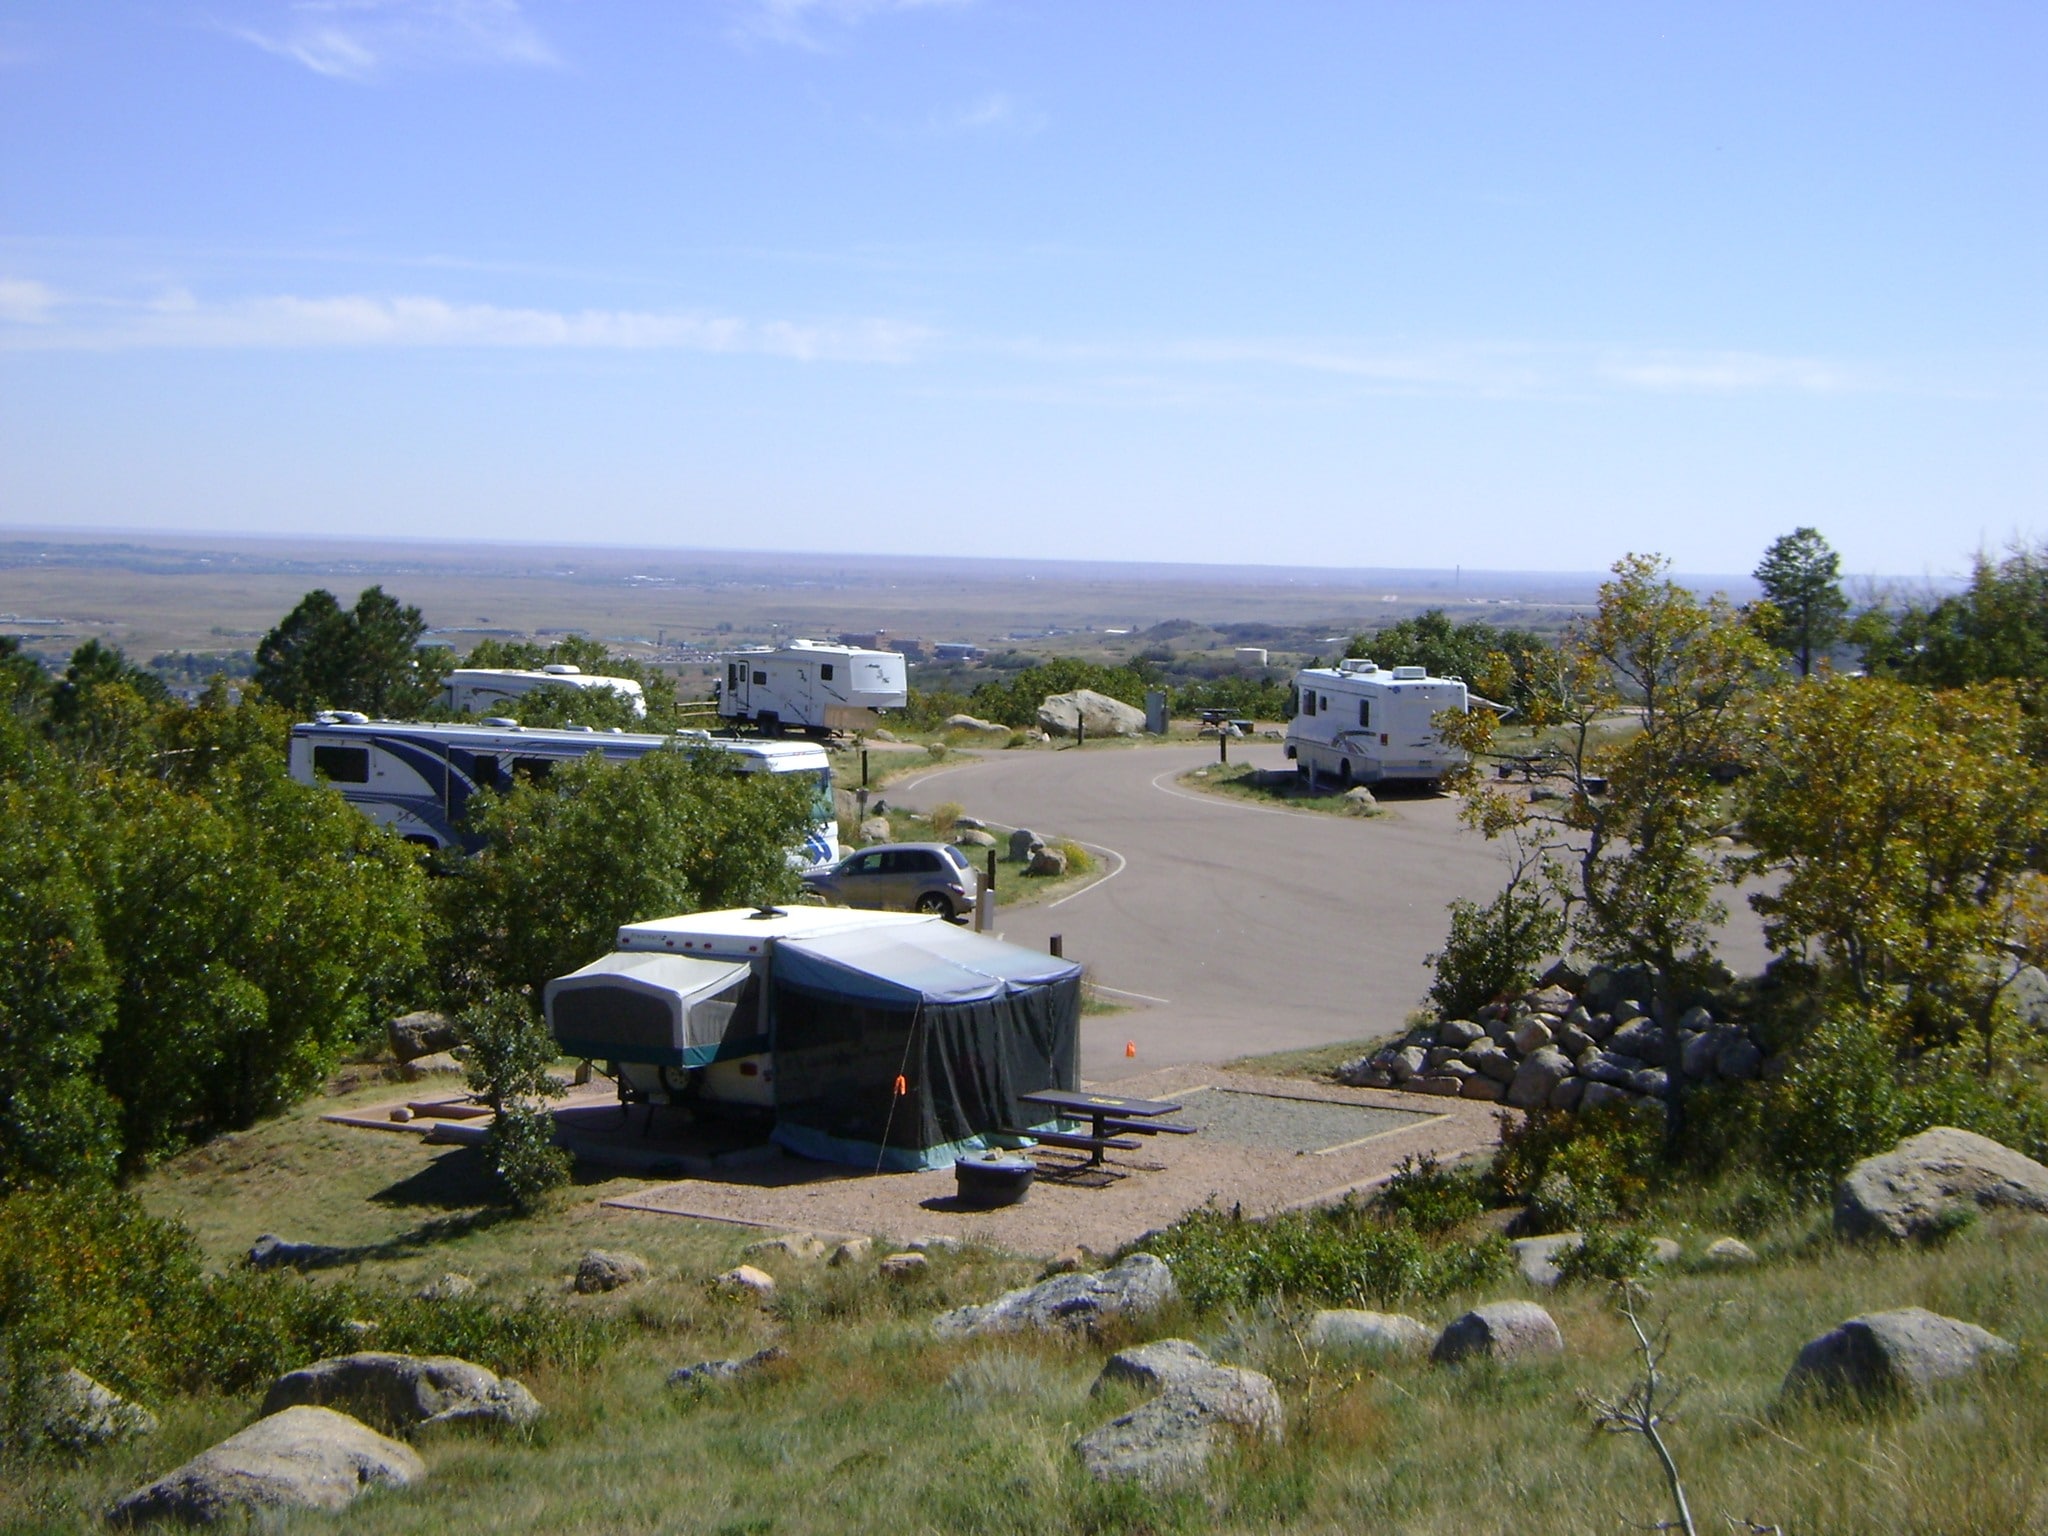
column 810, row 686
column 485, row 690
column 417, row 779
column 687, row 996
column 1357, row 723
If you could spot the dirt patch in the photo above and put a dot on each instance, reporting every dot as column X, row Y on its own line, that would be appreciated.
column 1266, row 1144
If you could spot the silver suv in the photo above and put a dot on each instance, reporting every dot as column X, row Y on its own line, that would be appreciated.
column 900, row 877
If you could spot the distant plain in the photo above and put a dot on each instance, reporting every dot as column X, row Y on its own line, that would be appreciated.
column 152, row 593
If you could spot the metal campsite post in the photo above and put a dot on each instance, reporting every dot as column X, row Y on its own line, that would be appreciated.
column 991, row 869
column 1223, row 744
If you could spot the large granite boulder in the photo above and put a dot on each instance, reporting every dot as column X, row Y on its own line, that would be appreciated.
column 1066, row 714
column 1388, row 1333
column 1170, row 1438
column 1157, row 1365
column 599, row 1270
column 80, row 1414
column 1140, row 1284
column 273, row 1252
column 414, row 1035
column 1910, row 1191
column 1538, row 1075
column 405, row 1392
column 1508, row 1331
column 302, row 1458
column 1891, row 1356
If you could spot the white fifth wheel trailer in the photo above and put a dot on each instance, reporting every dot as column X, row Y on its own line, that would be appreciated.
column 810, row 686
column 1357, row 723
column 417, row 779
column 485, row 690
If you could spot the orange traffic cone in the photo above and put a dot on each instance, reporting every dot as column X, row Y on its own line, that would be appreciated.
column 1131, row 1049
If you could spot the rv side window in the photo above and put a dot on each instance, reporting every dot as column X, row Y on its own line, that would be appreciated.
column 534, row 770
column 1365, row 711
column 824, row 671
column 732, row 675
column 343, row 765
column 760, row 679
column 1308, row 703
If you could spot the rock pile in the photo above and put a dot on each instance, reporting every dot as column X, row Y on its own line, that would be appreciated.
column 1552, row 1048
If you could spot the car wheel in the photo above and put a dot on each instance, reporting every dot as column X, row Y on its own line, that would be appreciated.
column 936, row 903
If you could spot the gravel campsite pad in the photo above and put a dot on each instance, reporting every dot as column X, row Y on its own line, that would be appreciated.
column 1286, row 1123
column 1264, row 1144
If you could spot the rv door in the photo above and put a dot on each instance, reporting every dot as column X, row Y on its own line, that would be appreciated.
column 736, row 686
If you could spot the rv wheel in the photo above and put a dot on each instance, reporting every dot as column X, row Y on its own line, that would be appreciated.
column 1344, row 772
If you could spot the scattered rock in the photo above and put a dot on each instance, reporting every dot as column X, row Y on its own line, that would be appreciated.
column 599, row 1270
column 1461, row 1033
column 883, row 733
column 1536, row 1257
column 1507, row 1331
column 1909, row 1191
column 1050, row 862
column 746, row 1281
column 1140, row 1284
column 852, row 1251
column 1730, row 1253
column 302, row 1458
column 414, row 1035
column 793, row 1245
column 273, row 1252
column 80, row 1413
column 1022, row 841
column 405, row 1392
column 1540, row 1071
column 450, row 1287
column 1172, row 1436
column 974, row 837
column 437, row 1064
column 1383, row 1332
column 903, row 1266
column 938, row 1242
column 975, row 723
column 1158, row 1364
column 705, row 1372
column 1063, row 714
column 1361, row 799
column 1892, row 1355
column 876, row 829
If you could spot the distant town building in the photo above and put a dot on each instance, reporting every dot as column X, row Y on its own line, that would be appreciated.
column 1251, row 655
column 958, row 650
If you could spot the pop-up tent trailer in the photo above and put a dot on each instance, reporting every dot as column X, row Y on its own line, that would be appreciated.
column 906, row 1047
column 885, row 1040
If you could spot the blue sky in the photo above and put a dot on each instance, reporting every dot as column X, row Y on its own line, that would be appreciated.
column 1511, row 285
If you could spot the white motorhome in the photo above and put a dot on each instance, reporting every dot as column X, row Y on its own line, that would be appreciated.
column 1357, row 723
column 417, row 779
column 485, row 690
column 689, row 997
column 811, row 686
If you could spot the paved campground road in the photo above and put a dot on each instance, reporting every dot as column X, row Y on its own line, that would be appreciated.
column 1229, row 928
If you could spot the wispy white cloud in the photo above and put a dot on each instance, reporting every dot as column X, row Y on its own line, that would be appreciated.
column 23, row 302
column 361, row 39
column 1731, row 373
column 812, row 23
column 177, row 319
column 997, row 112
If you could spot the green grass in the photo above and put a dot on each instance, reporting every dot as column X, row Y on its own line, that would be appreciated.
column 1266, row 786
column 874, row 1425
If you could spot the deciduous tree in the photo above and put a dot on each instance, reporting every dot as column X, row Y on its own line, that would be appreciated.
column 322, row 656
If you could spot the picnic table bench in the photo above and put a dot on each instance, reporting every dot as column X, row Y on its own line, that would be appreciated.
column 1113, row 1120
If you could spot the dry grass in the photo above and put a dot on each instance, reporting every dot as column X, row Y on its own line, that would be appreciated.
column 873, row 1425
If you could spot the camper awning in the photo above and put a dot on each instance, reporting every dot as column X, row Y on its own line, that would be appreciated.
column 901, row 967
column 663, row 1009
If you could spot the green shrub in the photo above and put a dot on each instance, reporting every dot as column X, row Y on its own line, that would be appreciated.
column 944, row 817
column 1430, row 1198
column 1571, row 1170
column 1079, row 860
column 1493, row 950
column 1607, row 1255
column 1840, row 1102
column 89, row 1278
column 1341, row 1256
column 509, row 1052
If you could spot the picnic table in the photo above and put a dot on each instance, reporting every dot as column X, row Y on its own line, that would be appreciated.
column 1114, row 1120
